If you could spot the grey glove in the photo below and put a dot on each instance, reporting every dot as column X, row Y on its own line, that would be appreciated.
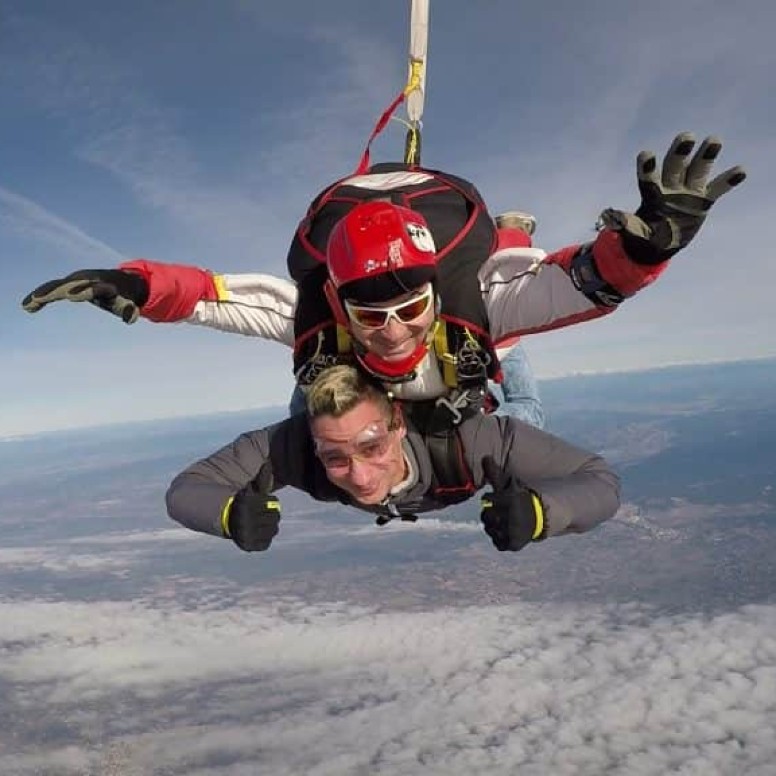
column 674, row 204
column 115, row 290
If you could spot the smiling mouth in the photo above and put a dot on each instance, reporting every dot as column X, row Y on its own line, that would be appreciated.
column 362, row 494
column 397, row 350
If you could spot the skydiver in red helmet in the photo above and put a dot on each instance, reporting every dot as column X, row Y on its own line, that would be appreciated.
column 487, row 289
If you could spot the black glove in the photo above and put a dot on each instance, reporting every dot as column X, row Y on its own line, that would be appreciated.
column 512, row 514
column 252, row 519
column 675, row 202
column 119, row 292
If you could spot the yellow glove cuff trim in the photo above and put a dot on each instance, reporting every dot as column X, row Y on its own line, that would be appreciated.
column 225, row 518
column 539, row 511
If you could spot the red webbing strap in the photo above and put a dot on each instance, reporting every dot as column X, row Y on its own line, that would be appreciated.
column 363, row 165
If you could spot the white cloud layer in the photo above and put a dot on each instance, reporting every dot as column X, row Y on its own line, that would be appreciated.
column 286, row 688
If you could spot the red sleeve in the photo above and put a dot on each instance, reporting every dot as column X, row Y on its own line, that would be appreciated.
column 613, row 264
column 173, row 289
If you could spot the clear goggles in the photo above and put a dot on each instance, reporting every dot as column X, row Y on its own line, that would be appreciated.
column 405, row 312
column 370, row 445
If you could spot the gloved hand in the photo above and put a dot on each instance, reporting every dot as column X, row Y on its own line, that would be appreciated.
column 252, row 518
column 119, row 292
column 512, row 514
column 675, row 202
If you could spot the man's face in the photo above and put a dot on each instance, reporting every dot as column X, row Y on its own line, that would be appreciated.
column 394, row 329
column 361, row 451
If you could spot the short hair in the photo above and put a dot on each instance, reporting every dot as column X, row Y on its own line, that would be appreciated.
column 338, row 389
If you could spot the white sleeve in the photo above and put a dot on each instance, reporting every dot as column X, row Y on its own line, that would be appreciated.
column 524, row 294
column 255, row 305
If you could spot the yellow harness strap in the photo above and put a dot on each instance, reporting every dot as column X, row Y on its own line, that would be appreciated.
column 416, row 73
column 344, row 344
column 444, row 356
column 412, row 143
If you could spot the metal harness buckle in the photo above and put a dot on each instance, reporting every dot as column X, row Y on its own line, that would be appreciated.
column 460, row 402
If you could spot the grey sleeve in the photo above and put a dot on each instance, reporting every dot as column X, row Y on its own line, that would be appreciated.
column 197, row 496
column 578, row 488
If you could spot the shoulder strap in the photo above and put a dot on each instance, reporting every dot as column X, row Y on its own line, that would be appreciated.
column 451, row 479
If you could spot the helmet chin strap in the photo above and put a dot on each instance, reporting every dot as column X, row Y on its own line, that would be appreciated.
column 401, row 371
column 340, row 316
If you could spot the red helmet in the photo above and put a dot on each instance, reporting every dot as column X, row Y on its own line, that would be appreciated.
column 378, row 251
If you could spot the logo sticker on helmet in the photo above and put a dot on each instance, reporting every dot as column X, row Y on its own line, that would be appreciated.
column 421, row 238
column 395, row 259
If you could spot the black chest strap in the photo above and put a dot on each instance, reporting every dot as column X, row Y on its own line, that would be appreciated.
column 452, row 478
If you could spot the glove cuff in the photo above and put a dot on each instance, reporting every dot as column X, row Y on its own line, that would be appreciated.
column 134, row 286
column 540, row 531
column 636, row 235
column 225, row 512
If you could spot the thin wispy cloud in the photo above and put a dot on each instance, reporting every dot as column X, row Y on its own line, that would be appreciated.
column 318, row 129
column 587, row 159
column 116, row 126
column 52, row 560
column 29, row 219
column 147, row 146
column 114, row 554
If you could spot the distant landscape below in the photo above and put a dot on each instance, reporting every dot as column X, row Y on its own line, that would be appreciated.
column 108, row 605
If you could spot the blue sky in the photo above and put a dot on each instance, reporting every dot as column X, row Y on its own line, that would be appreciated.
column 197, row 132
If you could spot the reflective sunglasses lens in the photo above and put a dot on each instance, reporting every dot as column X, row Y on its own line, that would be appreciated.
column 377, row 317
column 413, row 309
column 368, row 317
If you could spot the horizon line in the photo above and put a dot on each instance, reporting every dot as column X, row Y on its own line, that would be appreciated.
column 27, row 436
